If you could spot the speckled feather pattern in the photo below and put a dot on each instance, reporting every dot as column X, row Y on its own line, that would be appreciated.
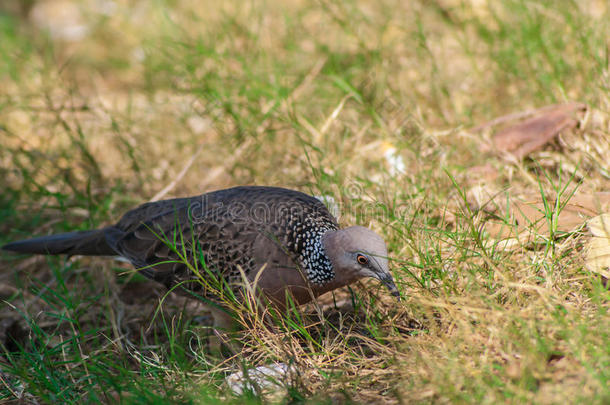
column 306, row 239
column 281, row 244
column 226, row 227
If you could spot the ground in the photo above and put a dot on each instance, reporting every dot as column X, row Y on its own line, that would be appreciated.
column 391, row 108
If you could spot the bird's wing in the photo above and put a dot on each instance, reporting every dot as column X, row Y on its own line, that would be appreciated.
column 218, row 228
column 177, row 241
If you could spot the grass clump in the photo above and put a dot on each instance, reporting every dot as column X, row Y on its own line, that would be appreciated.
column 367, row 103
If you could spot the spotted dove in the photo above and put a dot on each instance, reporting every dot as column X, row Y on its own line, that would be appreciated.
column 283, row 241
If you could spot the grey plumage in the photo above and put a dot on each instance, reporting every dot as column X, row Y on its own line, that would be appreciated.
column 289, row 236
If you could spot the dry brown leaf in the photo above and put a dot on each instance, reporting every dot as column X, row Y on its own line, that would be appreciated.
column 525, row 215
column 598, row 248
column 521, row 139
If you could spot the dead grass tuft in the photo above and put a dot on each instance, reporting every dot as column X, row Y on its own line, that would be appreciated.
column 113, row 103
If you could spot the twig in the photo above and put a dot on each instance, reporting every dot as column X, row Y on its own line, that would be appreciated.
column 217, row 171
column 333, row 116
column 180, row 175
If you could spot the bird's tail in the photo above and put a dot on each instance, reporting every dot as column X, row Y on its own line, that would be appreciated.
column 88, row 243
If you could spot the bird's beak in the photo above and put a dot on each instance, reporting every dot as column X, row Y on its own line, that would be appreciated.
column 388, row 281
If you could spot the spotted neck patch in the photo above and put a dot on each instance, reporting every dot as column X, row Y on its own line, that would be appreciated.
column 313, row 258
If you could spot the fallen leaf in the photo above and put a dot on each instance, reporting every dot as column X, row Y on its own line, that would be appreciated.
column 524, row 217
column 598, row 247
column 544, row 124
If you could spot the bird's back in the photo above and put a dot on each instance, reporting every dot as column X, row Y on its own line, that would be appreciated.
column 220, row 235
column 241, row 227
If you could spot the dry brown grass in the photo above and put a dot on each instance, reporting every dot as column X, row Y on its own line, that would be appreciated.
column 308, row 96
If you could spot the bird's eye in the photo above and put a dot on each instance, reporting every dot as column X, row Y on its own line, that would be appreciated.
column 362, row 259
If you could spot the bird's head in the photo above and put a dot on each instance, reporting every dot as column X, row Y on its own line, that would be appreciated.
column 358, row 252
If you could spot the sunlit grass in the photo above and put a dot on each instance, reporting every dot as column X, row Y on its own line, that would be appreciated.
column 306, row 96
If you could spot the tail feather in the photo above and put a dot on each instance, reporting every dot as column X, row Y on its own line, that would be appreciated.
column 88, row 243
